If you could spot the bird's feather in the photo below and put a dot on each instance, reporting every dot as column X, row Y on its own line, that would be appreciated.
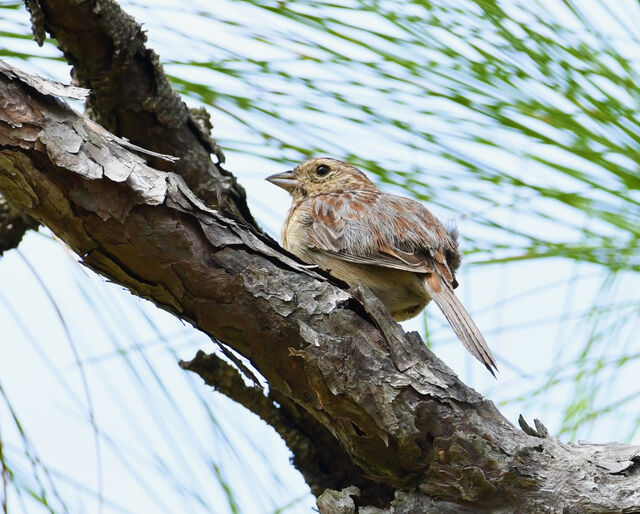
column 409, row 238
column 460, row 321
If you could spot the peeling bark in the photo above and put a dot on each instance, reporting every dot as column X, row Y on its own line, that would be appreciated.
column 390, row 416
column 131, row 97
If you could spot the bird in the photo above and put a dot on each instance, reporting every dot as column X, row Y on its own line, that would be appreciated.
column 342, row 222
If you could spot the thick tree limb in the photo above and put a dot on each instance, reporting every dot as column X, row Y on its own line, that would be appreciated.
column 398, row 412
column 130, row 96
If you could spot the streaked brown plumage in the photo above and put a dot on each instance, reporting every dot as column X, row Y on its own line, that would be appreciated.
column 342, row 222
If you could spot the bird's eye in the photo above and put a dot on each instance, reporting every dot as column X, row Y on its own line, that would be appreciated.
column 322, row 170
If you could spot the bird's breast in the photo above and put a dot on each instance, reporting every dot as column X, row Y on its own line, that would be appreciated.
column 294, row 236
column 402, row 292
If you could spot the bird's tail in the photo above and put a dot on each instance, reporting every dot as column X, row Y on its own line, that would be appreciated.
column 460, row 321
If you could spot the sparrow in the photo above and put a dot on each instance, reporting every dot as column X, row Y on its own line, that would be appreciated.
column 342, row 222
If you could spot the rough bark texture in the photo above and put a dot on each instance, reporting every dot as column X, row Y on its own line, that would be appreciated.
column 132, row 98
column 13, row 225
column 376, row 411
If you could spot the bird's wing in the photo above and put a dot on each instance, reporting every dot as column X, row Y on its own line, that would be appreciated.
column 370, row 227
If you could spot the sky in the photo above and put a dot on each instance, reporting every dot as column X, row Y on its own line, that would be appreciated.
column 85, row 361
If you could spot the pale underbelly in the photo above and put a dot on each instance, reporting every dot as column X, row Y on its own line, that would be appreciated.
column 402, row 292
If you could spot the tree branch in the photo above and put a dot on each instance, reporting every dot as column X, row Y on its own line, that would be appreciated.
column 132, row 97
column 397, row 411
column 322, row 462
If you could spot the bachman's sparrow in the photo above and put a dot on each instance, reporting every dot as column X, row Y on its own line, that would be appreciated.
column 342, row 222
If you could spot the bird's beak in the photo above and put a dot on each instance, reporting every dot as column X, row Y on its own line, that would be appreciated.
column 286, row 180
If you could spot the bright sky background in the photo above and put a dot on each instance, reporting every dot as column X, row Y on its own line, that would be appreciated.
column 154, row 420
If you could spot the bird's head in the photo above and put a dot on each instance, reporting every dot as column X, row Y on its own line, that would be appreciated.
column 321, row 175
